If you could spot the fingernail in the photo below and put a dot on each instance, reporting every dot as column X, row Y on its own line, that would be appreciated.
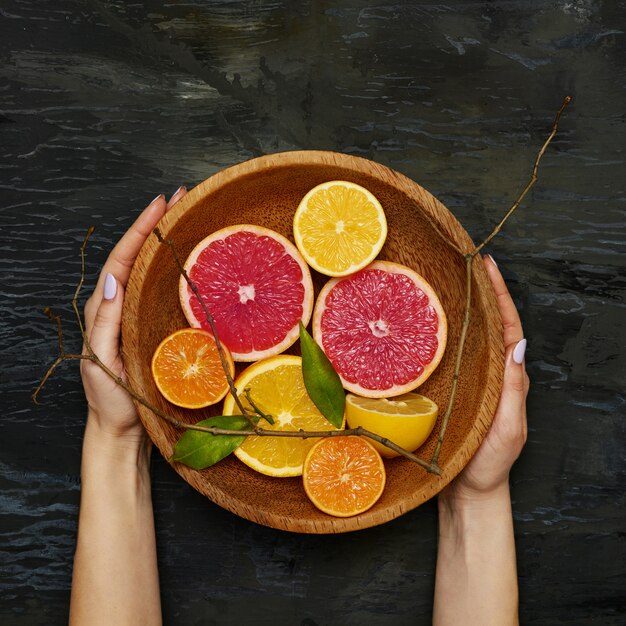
column 181, row 188
column 159, row 196
column 110, row 286
column 492, row 259
column 519, row 351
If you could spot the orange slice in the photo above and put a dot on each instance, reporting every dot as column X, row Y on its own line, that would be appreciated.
column 276, row 386
column 343, row 476
column 339, row 227
column 187, row 370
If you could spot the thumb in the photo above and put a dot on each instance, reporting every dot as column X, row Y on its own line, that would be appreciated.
column 510, row 413
column 514, row 384
column 105, row 333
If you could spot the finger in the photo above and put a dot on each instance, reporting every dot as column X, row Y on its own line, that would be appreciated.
column 104, row 337
column 511, row 411
column 511, row 324
column 176, row 196
column 123, row 255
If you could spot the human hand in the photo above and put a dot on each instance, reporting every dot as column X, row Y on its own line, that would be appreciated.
column 111, row 408
column 488, row 472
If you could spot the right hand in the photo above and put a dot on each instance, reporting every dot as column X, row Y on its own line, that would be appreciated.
column 488, row 471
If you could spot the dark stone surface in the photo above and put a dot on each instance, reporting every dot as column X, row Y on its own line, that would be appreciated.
column 103, row 105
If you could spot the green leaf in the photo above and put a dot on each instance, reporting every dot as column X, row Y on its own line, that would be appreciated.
column 199, row 450
column 321, row 380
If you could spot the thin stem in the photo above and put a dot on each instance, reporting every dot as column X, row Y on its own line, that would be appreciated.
column 469, row 258
column 194, row 288
column 533, row 178
column 83, row 247
column 257, row 410
column 459, row 355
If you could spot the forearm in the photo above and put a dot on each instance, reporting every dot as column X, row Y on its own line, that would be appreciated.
column 476, row 580
column 115, row 578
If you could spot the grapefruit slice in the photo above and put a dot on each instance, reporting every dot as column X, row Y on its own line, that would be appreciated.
column 256, row 286
column 343, row 476
column 187, row 369
column 383, row 329
column 276, row 386
column 339, row 227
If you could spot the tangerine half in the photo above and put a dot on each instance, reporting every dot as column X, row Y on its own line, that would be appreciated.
column 187, row 369
column 343, row 476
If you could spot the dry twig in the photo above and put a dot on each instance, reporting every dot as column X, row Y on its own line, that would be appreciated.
column 432, row 466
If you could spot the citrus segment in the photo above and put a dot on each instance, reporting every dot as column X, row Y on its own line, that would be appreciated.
column 343, row 476
column 256, row 286
column 339, row 227
column 406, row 420
column 276, row 387
column 187, row 369
column 383, row 329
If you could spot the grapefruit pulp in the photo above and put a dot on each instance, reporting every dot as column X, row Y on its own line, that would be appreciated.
column 256, row 286
column 383, row 329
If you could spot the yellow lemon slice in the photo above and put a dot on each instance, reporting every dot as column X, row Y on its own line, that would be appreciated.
column 277, row 388
column 339, row 228
column 407, row 419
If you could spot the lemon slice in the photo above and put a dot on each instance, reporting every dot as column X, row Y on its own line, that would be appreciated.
column 406, row 420
column 339, row 228
column 277, row 388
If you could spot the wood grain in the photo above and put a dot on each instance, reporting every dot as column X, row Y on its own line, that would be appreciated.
column 423, row 235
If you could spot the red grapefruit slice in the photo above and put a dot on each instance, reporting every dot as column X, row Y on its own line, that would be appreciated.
column 256, row 286
column 383, row 329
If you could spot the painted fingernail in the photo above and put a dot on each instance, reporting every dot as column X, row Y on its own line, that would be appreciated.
column 110, row 286
column 492, row 259
column 519, row 351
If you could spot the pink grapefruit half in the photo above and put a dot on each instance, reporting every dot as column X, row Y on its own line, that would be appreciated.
column 256, row 286
column 383, row 329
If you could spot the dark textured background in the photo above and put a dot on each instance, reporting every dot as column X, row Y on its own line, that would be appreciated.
column 106, row 104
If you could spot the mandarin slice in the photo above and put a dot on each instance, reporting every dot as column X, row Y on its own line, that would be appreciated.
column 187, row 369
column 343, row 476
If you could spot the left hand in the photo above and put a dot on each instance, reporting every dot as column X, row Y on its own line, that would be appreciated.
column 111, row 408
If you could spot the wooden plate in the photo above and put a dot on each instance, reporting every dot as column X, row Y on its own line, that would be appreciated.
column 266, row 191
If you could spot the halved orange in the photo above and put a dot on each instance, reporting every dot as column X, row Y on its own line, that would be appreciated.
column 276, row 386
column 343, row 476
column 187, row 369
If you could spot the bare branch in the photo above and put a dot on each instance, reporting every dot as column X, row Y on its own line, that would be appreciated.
column 432, row 466
column 531, row 182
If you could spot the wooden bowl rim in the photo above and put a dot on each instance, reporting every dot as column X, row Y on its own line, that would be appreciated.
column 450, row 230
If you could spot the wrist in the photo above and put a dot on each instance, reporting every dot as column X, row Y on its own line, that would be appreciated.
column 462, row 513
column 457, row 497
column 102, row 445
